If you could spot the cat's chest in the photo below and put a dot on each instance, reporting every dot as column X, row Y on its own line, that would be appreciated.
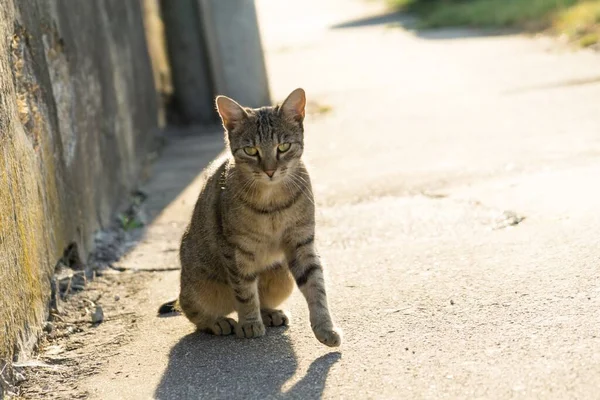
column 271, row 248
column 272, row 226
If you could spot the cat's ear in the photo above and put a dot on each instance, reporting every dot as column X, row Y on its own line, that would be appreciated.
column 232, row 114
column 293, row 106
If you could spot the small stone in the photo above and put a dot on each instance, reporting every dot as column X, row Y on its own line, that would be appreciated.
column 97, row 315
column 48, row 327
column 19, row 377
column 451, row 302
column 117, row 297
column 508, row 218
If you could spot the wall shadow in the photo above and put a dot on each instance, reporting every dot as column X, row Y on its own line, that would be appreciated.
column 410, row 23
column 185, row 153
column 177, row 161
column 391, row 17
column 206, row 366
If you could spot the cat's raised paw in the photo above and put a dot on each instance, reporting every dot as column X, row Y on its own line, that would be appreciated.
column 272, row 317
column 250, row 329
column 329, row 336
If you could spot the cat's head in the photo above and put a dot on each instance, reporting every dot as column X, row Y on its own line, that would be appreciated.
column 266, row 142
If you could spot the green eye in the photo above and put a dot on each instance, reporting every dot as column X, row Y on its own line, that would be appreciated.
column 251, row 151
column 283, row 147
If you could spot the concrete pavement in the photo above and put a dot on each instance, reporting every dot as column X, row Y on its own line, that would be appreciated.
column 428, row 138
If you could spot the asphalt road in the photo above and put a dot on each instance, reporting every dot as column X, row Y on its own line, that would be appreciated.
column 426, row 149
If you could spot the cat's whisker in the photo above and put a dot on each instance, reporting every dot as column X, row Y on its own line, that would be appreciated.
column 242, row 190
column 301, row 175
column 249, row 188
column 299, row 185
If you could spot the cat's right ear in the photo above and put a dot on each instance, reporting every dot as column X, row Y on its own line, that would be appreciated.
column 232, row 114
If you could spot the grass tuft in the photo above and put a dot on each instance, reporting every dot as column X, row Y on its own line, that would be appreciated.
column 580, row 23
column 578, row 19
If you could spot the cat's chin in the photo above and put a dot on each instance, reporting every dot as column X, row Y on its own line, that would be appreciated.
column 277, row 179
column 274, row 181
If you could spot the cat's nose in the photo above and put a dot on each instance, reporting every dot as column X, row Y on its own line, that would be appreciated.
column 270, row 172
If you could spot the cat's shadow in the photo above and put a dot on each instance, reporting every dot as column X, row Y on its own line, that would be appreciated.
column 204, row 366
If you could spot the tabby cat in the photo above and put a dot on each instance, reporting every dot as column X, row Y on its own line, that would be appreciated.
column 253, row 229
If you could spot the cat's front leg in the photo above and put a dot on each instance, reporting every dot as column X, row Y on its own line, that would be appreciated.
column 245, row 288
column 307, row 270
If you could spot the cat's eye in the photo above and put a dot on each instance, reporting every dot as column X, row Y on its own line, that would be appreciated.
column 251, row 151
column 283, row 147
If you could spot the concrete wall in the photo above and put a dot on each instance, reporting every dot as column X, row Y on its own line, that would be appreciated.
column 77, row 114
column 235, row 50
column 157, row 48
column 214, row 47
column 193, row 91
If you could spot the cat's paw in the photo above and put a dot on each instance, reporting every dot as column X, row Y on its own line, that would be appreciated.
column 272, row 317
column 222, row 327
column 328, row 335
column 250, row 329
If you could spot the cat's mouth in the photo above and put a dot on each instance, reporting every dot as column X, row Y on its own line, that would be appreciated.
column 274, row 178
column 271, row 177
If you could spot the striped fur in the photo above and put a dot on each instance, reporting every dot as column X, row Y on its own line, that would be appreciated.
column 251, row 236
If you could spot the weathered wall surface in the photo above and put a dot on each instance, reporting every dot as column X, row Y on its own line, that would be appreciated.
column 77, row 114
column 157, row 48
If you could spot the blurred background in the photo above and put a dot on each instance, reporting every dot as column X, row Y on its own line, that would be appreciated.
column 454, row 152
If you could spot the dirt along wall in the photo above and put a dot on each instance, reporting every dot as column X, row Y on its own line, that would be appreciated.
column 77, row 115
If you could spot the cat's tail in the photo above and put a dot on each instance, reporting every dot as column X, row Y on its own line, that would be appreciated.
column 171, row 306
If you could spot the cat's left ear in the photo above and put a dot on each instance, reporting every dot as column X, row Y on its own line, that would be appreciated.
column 293, row 107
